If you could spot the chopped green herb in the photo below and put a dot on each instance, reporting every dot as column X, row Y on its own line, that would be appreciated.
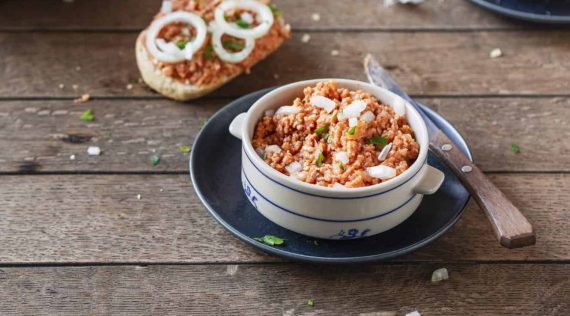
column 326, row 136
column 335, row 115
column 322, row 129
column 320, row 159
column 154, row 160
column 184, row 149
column 88, row 116
column 209, row 52
column 243, row 24
column 352, row 130
column 341, row 166
column 182, row 44
column 276, row 11
column 264, row 156
column 233, row 45
column 515, row 148
column 378, row 140
column 270, row 240
column 311, row 303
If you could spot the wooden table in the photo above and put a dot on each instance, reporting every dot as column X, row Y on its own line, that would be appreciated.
column 76, row 240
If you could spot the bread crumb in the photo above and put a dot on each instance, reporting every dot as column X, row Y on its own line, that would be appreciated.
column 78, row 68
column 72, row 157
column 61, row 86
column 129, row 86
column 75, row 87
column 496, row 53
column 316, row 17
column 306, row 38
column 84, row 98
column 335, row 52
column 94, row 151
column 138, row 196
column 439, row 275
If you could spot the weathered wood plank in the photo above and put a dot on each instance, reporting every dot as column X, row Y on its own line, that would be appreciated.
column 98, row 218
column 40, row 136
column 358, row 14
column 425, row 63
column 531, row 289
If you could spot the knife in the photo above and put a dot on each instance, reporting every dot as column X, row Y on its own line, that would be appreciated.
column 511, row 227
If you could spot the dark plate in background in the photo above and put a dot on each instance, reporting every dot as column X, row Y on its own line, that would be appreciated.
column 215, row 166
column 543, row 11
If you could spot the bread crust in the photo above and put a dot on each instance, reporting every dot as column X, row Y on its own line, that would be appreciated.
column 166, row 85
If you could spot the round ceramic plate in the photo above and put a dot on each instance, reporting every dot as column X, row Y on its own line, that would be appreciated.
column 215, row 166
column 544, row 11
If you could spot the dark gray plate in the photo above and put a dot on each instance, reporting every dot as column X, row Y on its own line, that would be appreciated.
column 543, row 11
column 215, row 166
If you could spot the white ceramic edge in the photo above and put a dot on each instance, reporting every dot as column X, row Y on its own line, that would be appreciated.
column 325, row 191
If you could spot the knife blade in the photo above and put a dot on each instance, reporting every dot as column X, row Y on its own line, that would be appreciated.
column 510, row 226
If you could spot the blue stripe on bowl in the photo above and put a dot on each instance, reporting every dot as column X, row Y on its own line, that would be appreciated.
column 324, row 219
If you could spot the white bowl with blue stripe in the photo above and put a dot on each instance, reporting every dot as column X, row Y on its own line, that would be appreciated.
column 332, row 213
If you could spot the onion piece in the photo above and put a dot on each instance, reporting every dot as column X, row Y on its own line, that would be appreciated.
column 342, row 157
column 352, row 122
column 384, row 152
column 367, row 117
column 287, row 109
column 340, row 116
column 381, row 172
column 354, row 109
column 169, row 48
column 179, row 16
column 264, row 16
column 294, row 167
column 274, row 148
column 247, row 17
column 225, row 55
column 269, row 113
column 323, row 102
column 337, row 185
column 399, row 107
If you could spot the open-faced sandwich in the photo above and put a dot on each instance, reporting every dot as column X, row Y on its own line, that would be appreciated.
column 194, row 46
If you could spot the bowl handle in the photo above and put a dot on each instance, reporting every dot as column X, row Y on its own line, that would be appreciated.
column 236, row 125
column 430, row 182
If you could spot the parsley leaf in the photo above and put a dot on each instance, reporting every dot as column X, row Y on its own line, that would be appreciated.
column 352, row 130
column 88, row 116
column 181, row 44
column 326, row 136
column 320, row 159
column 209, row 52
column 515, row 148
column 154, row 159
column 341, row 166
column 311, row 303
column 322, row 129
column 184, row 149
column 378, row 140
column 233, row 45
column 243, row 24
column 276, row 11
column 270, row 240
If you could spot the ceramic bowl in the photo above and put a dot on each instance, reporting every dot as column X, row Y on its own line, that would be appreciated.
column 332, row 213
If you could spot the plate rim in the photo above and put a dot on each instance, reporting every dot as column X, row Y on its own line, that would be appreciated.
column 532, row 17
column 316, row 259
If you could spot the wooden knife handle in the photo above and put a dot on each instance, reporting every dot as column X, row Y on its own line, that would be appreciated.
column 511, row 227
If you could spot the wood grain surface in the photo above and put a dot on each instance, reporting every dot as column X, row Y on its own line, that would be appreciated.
column 277, row 289
column 98, row 218
column 39, row 136
column 424, row 63
column 345, row 15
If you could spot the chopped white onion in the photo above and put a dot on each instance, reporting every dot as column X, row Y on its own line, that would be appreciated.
column 399, row 107
column 166, row 6
column 367, row 117
column 381, row 172
column 179, row 16
column 247, row 17
column 226, row 55
column 93, row 151
column 287, row 109
column 269, row 112
column 264, row 17
column 274, row 148
column 294, row 167
column 342, row 157
column 340, row 116
column 354, row 109
column 439, row 275
column 323, row 102
column 338, row 186
column 352, row 122
column 384, row 153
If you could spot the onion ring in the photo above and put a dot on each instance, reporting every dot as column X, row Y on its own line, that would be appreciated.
column 223, row 54
column 263, row 13
column 180, row 16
